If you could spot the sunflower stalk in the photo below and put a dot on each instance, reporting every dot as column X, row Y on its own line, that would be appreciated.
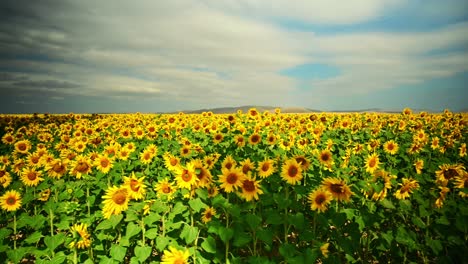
column 14, row 231
column 286, row 211
column 143, row 230
column 51, row 222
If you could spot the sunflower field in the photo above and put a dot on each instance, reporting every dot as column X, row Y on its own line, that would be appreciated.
column 234, row 188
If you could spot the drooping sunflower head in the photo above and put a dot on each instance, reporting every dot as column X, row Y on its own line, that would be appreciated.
column 303, row 161
column 81, row 237
column 203, row 174
column 448, row 172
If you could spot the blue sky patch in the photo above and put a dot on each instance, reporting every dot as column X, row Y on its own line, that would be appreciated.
column 312, row 71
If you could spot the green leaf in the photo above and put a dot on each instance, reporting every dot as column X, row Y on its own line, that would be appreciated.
column 225, row 234
column 266, row 236
column 115, row 220
column 16, row 254
column 151, row 233
column 403, row 237
column 132, row 230
column 161, row 242
column 118, row 252
column 349, row 213
column 60, row 257
column 33, row 238
column 142, row 253
column 253, row 221
column 387, row 204
column 189, row 233
column 106, row 260
column 196, row 204
column 443, row 220
column 388, row 237
column 273, row 218
column 241, row 239
column 435, row 245
column 178, row 208
column 418, row 222
column 53, row 242
column 209, row 244
column 4, row 232
column 151, row 218
column 104, row 225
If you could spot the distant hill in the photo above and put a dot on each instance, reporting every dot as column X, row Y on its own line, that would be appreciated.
column 245, row 108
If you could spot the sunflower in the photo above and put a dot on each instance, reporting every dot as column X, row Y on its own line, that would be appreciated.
column 407, row 186
column 325, row 157
column 462, row 150
column 218, row 138
column 170, row 161
column 461, row 182
column 115, row 201
column 123, row 154
column 44, row 195
column 203, row 174
column 82, row 165
column 208, row 214
column 186, row 177
column 10, row 201
column 239, row 140
column 383, row 181
column 266, row 168
column 324, row 249
column 228, row 163
column 34, row 160
column 391, row 147
column 253, row 113
column 418, row 165
column 448, row 172
column 81, row 237
column 146, row 156
column 291, row 171
column 130, row 146
column 319, row 200
column 303, row 161
column 165, row 188
column 212, row 190
column 231, row 179
column 103, row 163
column 56, row 168
column 255, row 138
column 372, row 163
column 271, row 139
column 373, row 144
column 23, row 146
column 5, row 177
column 338, row 188
column 247, row 165
column 435, row 143
column 31, row 177
column 185, row 151
column 136, row 187
column 175, row 256
column 442, row 195
column 8, row 139
column 250, row 189
column 211, row 160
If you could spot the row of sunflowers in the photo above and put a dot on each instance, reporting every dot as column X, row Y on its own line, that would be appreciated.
column 234, row 188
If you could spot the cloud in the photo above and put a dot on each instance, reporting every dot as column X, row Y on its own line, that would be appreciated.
column 209, row 53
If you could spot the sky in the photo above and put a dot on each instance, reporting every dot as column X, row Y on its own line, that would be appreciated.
column 116, row 56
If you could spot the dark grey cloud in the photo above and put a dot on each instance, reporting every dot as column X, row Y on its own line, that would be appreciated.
column 53, row 84
column 8, row 77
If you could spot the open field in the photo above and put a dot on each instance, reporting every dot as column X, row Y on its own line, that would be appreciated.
column 248, row 187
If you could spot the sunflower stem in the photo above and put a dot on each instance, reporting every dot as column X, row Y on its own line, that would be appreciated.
column 286, row 225
column 143, row 230
column 75, row 255
column 51, row 222
column 14, row 231
column 87, row 202
column 226, row 251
